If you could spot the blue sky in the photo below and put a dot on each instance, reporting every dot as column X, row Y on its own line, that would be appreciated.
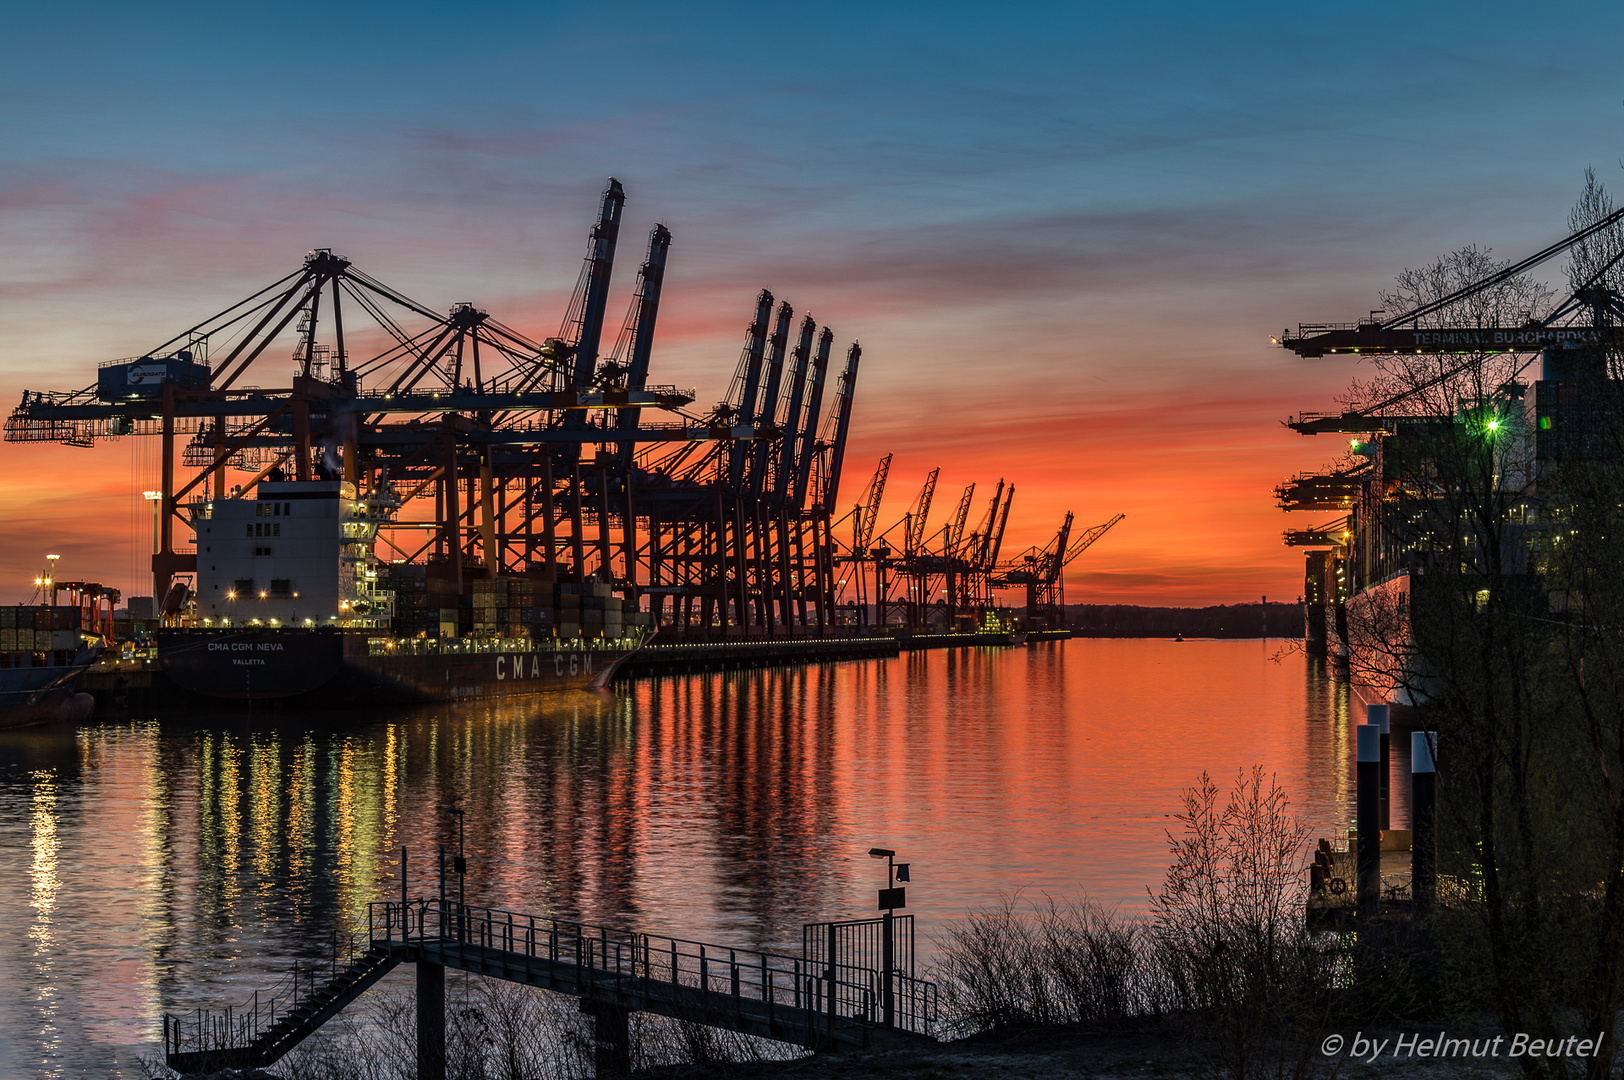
column 1062, row 232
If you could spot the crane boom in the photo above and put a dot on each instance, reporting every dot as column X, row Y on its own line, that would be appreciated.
column 997, row 537
column 585, row 315
column 1048, row 561
column 869, row 511
column 840, row 418
column 1085, row 541
column 809, row 431
column 747, row 382
column 916, row 526
column 641, row 321
column 955, row 532
column 767, row 405
column 794, row 393
column 1403, row 333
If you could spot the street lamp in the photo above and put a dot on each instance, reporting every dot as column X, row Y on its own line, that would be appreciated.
column 155, row 498
column 891, row 898
column 44, row 583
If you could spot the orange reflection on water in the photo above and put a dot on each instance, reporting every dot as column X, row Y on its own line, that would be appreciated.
column 727, row 807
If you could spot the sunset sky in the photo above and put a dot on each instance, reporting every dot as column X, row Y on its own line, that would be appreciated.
column 1063, row 233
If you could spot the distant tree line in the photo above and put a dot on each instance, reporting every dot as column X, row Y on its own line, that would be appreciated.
column 1222, row 621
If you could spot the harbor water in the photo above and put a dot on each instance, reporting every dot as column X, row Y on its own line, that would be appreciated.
column 161, row 864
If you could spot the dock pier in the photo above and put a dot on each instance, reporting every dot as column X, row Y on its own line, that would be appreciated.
column 820, row 1000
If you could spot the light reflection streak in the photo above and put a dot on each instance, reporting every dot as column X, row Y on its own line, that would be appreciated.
column 45, row 881
column 265, row 809
column 301, row 796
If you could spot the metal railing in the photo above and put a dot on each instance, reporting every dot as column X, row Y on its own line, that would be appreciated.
column 636, row 965
column 801, row 997
column 859, row 948
column 235, row 1027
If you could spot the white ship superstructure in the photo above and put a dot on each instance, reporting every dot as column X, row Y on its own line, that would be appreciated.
column 296, row 554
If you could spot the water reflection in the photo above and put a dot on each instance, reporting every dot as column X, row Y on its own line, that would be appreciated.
column 42, row 898
column 170, row 861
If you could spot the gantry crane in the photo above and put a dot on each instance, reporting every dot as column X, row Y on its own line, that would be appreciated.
column 1041, row 571
column 1575, row 340
column 478, row 440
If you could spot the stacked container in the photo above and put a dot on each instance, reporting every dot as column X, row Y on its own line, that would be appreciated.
column 590, row 609
column 39, row 629
column 419, row 600
column 501, row 604
column 507, row 606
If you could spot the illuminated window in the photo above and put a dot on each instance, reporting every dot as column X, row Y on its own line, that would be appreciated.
column 250, row 529
column 277, row 529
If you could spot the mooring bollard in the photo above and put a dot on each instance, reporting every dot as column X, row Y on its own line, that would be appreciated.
column 1368, row 786
column 1423, row 820
column 1378, row 716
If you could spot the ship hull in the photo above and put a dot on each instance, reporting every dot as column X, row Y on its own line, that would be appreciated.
column 1385, row 667
column 40, row 695
column 333, row 667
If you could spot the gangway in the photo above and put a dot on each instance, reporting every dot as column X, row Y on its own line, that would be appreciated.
column 823, row 1000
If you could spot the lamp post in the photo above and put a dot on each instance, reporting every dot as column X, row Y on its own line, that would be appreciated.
column 891, row 898
column 154, row 497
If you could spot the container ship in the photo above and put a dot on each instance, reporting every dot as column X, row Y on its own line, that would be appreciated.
column 42, row 649
column 291, row 602
column 1404, row 498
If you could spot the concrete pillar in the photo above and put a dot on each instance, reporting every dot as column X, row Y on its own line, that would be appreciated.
column 1423, row 820
column 1368, row 788
column 611, row 1038
column 1378, row 715
column 430, row 1021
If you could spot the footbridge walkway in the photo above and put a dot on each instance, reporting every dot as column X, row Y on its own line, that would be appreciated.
column 825, row 999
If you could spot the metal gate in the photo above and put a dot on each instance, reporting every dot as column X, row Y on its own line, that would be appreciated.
column 861, row 953
column 860, row 944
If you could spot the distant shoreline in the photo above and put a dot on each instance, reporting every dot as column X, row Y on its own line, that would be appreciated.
column 1236, row 621
column 1076, row 633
